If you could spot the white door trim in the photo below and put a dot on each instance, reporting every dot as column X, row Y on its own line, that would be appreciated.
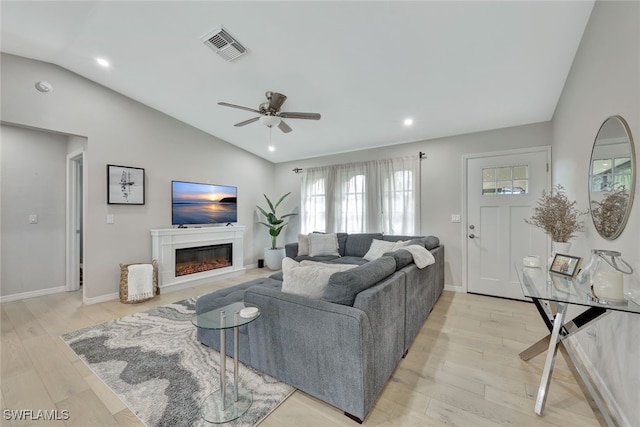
column 465, row 223
column 72, row 219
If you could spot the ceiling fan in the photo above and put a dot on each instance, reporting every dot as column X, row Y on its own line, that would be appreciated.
column 270, row 114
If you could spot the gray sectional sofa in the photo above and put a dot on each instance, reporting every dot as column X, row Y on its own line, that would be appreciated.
column 339, row 352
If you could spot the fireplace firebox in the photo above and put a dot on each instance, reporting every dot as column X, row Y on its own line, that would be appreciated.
column 203, row 258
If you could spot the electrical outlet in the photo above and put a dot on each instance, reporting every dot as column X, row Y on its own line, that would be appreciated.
column 110, row 219
column 33, row 219
column 455, row 217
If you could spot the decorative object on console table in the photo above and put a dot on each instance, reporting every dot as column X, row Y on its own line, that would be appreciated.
column 566, row 265
column 125, row 185
column 606, row 280
column 558, row 217
column 273, row 256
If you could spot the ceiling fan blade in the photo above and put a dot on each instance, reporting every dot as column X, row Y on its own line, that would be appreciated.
column 275, row 100
column 284, row 127
column 240, row 107
column 246, row 122
column 308, row 116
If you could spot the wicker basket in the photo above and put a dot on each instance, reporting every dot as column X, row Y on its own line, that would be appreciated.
column 124, row 285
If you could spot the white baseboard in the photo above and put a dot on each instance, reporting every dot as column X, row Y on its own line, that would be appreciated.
column 608, row 398
column 168, row 289
column 453, row 288
column 32, row 294
column 101, row 298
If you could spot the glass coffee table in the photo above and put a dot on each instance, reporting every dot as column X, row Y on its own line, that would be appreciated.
column 222, row 406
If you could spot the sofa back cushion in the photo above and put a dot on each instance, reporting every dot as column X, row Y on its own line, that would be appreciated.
column 344, row 286
column 428, row 242
column 359, row 244
column 402, row 258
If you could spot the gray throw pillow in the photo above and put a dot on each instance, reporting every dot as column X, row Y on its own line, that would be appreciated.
column 323, row 244
column 344, row 286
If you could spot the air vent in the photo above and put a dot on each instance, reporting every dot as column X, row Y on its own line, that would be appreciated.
column 222, row 43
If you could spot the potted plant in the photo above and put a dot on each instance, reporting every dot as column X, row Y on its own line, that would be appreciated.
column 558, row 217
column 273, row 256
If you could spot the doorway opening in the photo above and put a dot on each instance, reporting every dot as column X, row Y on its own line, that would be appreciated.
column 75, row 221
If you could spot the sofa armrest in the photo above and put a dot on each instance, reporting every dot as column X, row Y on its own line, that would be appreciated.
column 308, row 343
column 385, row 305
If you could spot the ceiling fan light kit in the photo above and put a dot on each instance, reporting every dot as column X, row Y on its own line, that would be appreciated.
column 270, row 114
column 270, row 120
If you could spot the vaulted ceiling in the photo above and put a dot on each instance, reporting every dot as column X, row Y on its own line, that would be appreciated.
column 453, row 67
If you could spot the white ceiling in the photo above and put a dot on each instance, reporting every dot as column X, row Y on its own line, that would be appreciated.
column 454, row 67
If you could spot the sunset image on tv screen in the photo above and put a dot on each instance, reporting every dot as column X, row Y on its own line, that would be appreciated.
column 195, row 203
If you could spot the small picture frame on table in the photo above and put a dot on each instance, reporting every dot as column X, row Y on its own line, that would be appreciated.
column 125, row 185
column 565, row 265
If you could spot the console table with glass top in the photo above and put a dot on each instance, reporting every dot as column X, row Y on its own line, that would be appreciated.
column 552, row 294
column 218, row 407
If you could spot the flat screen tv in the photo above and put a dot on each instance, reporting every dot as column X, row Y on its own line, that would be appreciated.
column 194, row 203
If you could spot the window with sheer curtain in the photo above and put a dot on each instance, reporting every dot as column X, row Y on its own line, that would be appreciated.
column 377, row 196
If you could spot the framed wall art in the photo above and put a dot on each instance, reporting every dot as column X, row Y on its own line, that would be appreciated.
column 567, row 265
column 125, row 185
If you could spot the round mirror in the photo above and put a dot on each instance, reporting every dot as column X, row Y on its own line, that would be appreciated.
column 612, row 177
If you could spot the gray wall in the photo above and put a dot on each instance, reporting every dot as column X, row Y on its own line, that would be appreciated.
column 32, row 176
column 441, row 181
column 124, row 132
column 604, row 80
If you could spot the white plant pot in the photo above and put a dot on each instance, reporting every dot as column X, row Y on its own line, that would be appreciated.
column 559, row 248
column 273, row 258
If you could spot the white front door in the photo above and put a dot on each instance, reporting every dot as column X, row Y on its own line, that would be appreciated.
column 501, row 191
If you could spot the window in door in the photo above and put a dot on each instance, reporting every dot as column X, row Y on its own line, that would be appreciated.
column 505, row 180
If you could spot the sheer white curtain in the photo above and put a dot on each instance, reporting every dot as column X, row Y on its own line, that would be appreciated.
column 377, row 196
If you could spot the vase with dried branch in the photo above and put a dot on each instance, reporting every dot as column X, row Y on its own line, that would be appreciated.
column 556, row 215
column 609, row 213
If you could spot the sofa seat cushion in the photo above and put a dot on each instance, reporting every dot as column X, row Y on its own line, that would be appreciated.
column 344, row 286
column 232, row 294
column 315, row 258
column 349, row 260
column 308, row 278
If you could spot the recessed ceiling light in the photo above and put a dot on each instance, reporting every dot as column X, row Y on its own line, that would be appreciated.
column 103, row 62
column 408, row 122
column 272, row 148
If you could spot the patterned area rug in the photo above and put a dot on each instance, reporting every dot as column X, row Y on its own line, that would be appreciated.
column 155, row 365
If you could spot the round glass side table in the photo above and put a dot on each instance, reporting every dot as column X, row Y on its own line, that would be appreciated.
column 223, row 405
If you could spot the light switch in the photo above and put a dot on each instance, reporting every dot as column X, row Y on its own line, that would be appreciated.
column 110, row 219
column 455, row 217
column 33, row 219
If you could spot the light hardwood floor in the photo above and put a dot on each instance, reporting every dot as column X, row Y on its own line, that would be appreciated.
column 463, row 368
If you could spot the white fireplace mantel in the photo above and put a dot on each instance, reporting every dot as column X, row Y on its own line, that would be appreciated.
column 165, row 241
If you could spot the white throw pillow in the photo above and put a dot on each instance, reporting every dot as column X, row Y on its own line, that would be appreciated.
column 309, row 279
column 303, row 244
column 380, row 247
column 323, row 244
